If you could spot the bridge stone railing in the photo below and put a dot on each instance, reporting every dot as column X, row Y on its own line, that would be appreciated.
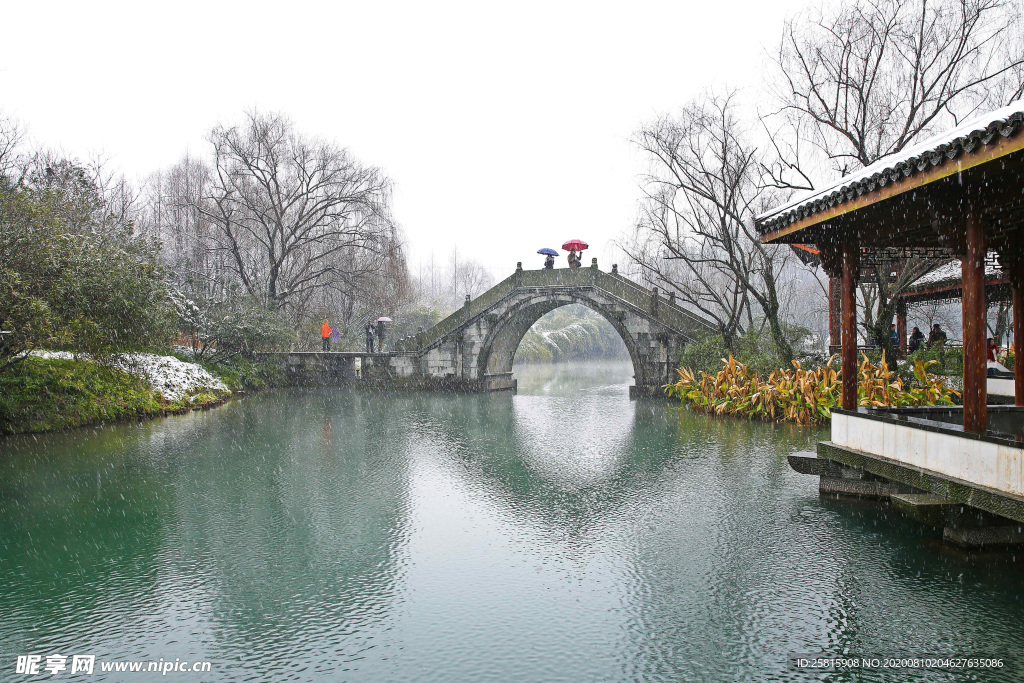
column 672, row 315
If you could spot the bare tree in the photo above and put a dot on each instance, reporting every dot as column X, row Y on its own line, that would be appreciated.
column 468, row 277
column 695, row 235
column 880, row 295
column 12, row 136
column 668, row 255
column 213, row 314
column 865, row 79
column 938, row 312
column 173, row 216
column 295, row 214
column 276, row 221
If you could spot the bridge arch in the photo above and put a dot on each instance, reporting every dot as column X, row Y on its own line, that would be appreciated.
column 498, row 348
column 474, row 347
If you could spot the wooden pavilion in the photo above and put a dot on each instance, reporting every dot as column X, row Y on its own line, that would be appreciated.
column 957, row 195
column 946, row 284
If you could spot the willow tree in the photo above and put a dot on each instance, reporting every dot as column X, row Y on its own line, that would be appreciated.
column 695, row 235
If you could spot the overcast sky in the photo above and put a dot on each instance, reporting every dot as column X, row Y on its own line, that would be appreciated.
column 504, row 127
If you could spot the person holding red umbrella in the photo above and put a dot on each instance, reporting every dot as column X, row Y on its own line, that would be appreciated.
column 575, row 260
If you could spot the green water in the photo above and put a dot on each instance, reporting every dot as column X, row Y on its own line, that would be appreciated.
column 562, row 534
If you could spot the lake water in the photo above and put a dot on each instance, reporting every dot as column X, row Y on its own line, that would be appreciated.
column 562, row 534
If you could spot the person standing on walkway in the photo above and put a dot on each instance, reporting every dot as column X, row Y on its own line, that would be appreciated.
column 380, row 336
column 369, row 337
column 325, row 336
column 916, row 337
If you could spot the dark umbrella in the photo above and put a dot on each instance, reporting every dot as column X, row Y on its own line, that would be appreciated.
column 547, row 252
column 575, row 245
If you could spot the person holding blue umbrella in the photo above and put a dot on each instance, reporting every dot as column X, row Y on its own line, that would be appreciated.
column 549, row 262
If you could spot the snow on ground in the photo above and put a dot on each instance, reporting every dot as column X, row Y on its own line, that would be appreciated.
column 171, row 377
column 60, row 355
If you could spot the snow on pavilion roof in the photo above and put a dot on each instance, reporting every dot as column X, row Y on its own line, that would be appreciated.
column 982, row 130
column 945, row 283
column 950, row 274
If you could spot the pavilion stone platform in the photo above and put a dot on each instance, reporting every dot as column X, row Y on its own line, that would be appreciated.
column 923, row 461
column 1000, row 388
column 953, row 197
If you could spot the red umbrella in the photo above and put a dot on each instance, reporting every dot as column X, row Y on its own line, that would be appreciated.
column 575, row 245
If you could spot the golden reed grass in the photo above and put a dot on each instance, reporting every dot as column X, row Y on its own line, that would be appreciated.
column 804, row 396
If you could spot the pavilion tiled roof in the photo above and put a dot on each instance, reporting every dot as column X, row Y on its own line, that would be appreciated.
column 982, row 130
column 949, row 274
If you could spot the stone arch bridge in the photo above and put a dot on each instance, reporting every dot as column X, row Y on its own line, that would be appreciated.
column 473, row 348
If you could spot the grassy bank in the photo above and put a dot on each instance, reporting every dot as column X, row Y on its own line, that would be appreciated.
column 243, row 375
column 46, row 394
column 40, row 395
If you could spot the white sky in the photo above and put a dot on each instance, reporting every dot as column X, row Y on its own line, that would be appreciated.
column 505, row 127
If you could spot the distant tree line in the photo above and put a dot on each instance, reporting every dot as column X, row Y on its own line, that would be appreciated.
column 445, row 284
column 437, row 288
column 248, row 247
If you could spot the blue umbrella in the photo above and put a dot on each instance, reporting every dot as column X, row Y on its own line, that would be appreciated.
column 547, row 251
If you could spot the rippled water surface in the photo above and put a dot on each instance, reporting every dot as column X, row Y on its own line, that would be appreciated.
column 565, row 533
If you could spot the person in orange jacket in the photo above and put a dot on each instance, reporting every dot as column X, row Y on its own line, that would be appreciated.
column 325, row 336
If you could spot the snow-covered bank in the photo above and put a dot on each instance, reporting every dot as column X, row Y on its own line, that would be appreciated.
column 173, row 378
column 58, row 390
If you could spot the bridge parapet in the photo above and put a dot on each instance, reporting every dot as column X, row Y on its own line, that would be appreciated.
column 460, row 317
column 676, row 317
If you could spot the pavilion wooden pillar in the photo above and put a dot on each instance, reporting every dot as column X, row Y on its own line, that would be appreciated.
column 974, row 313
column 851, row 269
column 1018, row 343
column 901, row 325
column 834, row 311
